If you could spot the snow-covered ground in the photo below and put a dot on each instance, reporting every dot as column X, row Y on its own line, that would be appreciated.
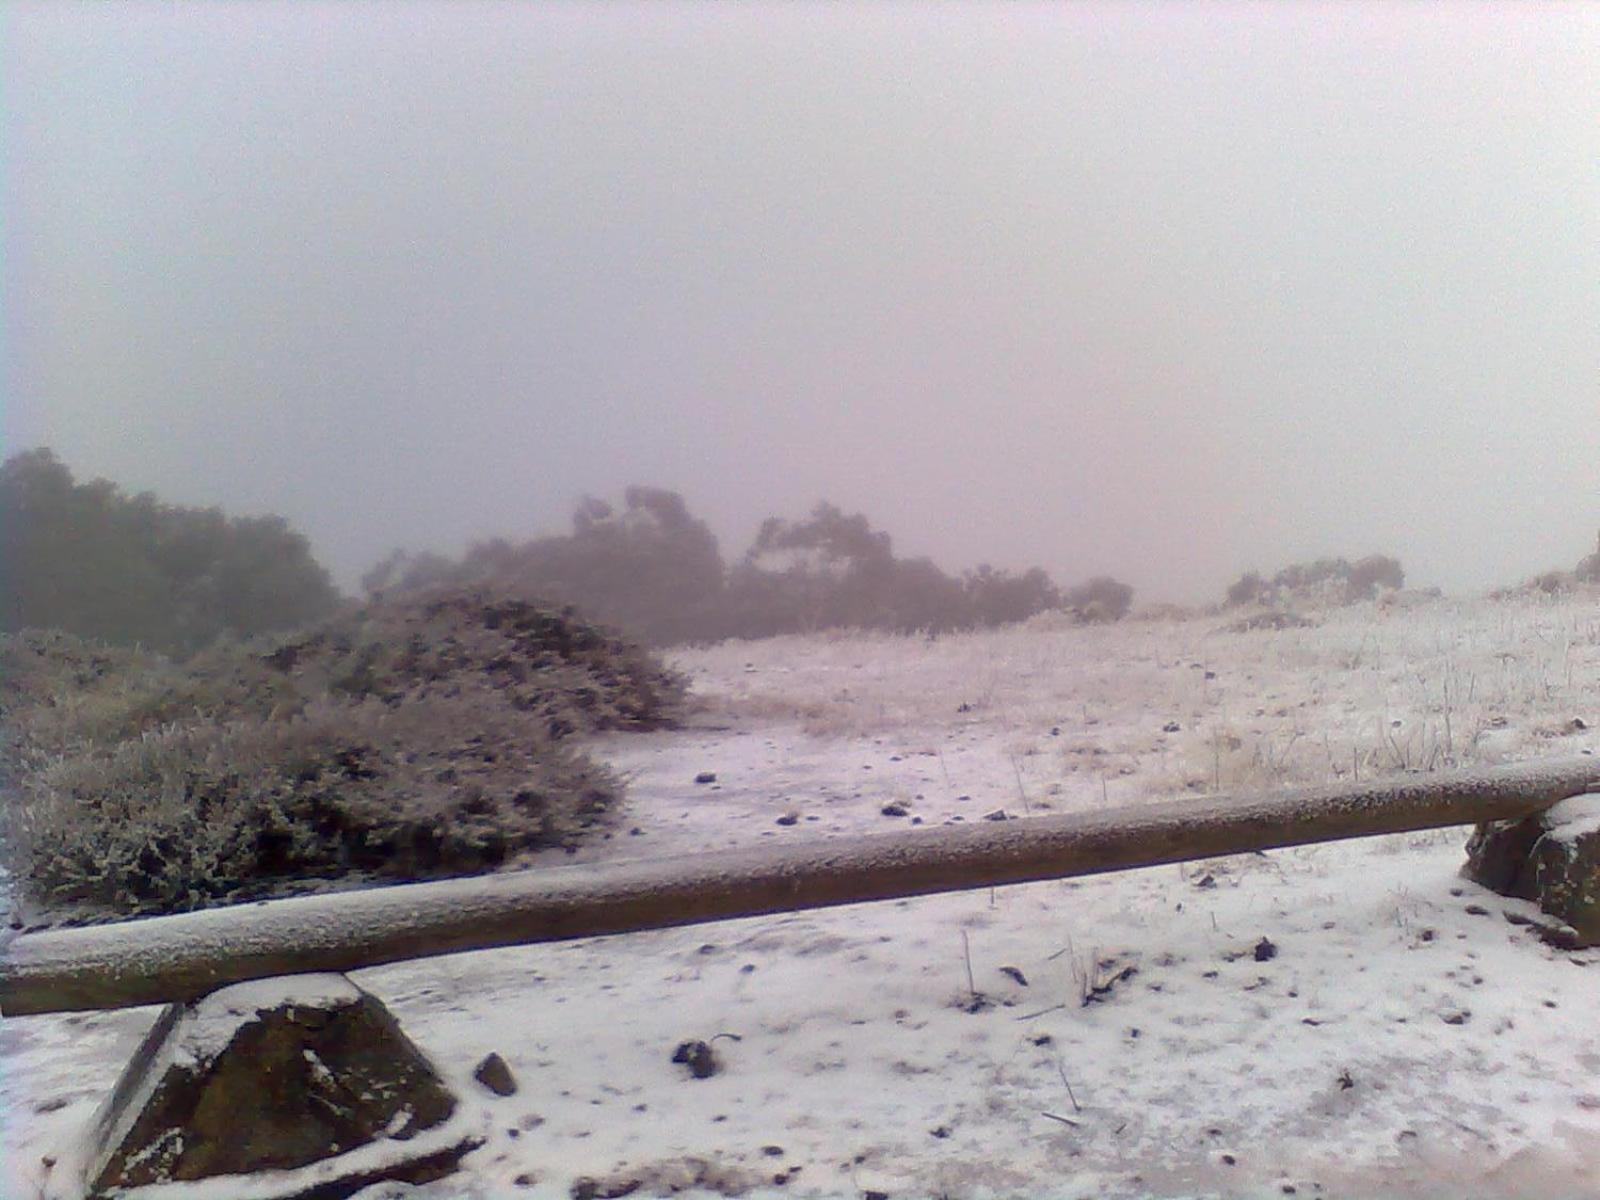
column 1349, row 1020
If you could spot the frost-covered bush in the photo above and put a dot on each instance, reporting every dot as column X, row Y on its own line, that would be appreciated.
column 1326, row 582
column 543, row 662
column 1102, row 593
column 415, row 739
column 200, row 813
column 1588, row 568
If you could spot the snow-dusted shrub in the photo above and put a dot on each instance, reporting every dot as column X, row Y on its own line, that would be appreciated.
column 539, row 661
column 1324, row 583
column 1588, row 568
column 1375, row 571
column 423, row 737
column 1105, row 595
column 1249, row 588
column 200, row 813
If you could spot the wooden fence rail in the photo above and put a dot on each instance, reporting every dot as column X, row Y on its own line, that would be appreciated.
column 183, row 957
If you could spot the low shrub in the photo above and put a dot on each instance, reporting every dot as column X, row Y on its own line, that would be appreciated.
column 196, row 814
column 1588, row 568
column 1106, row 598
column 415, row 739
column 1325, row 582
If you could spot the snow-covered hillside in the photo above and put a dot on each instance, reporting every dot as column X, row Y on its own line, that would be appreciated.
column 1349, row 1020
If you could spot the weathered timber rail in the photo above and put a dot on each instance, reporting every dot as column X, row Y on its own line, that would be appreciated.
column 183, row 957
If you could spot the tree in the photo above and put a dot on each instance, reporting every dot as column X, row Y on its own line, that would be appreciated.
column 88, row 559
column 651, row 567
column 998, row 597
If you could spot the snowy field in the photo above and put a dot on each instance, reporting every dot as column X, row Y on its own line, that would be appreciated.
column 1350, row 1020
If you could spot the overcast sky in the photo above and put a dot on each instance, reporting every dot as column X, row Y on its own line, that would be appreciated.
column 1162, row 290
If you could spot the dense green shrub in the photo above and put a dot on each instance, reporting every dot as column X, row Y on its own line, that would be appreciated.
column 414, row 738
column 89, row 560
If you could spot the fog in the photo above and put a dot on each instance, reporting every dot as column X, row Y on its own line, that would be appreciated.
column 1161, row 291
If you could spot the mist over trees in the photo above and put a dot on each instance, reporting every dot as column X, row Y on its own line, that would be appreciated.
column 657, row 570
column 1329, row 580
column 90, row 560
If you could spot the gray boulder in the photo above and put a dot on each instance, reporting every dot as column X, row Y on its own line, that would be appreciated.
column 1566, row 866
column 308, row 1078
column 1552, row 859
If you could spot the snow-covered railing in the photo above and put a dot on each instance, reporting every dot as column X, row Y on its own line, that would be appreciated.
column 183, row 957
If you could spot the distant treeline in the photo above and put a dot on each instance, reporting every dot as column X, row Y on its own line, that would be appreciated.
column 1330, row 580
column 656, row 570
column 90, row 560
column 93, row 561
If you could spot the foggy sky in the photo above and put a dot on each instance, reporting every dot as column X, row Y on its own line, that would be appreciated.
column 1165, row 291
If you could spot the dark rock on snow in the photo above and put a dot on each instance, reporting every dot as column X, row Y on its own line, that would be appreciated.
column 295, row 1076
column 495, row 1075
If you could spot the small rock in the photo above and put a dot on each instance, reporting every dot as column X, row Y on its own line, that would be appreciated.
column 698, row 1057
column 998, row 814
column 772, row 1151
column 1265, row 951
column 788, row 819
column 1477, row 910
column 706, row 777
column 1498, row 857
column 894, row 809
column 1016, row 974
column 1456, row 1018
column 495, row 1075
column 1171, row 727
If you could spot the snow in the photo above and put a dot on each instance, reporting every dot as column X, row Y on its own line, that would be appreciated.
column 1402, row 1038
column 208, row 1027
column 1574, row 818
